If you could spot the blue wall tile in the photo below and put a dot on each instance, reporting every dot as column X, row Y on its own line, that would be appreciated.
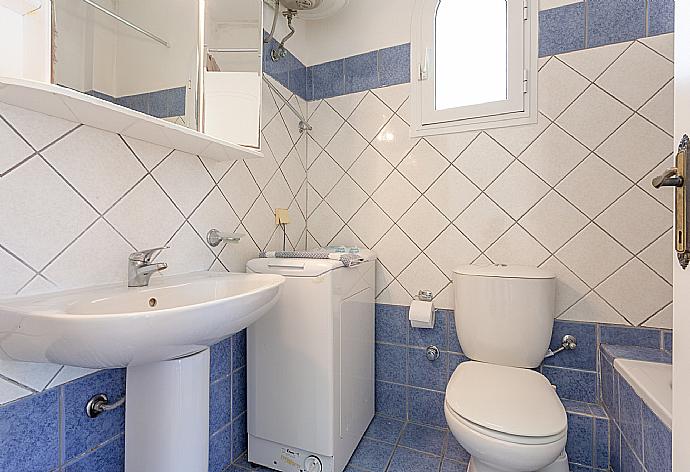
column 455, row 451
column 453, row 339
column 424, row 438
column 309, row 84
column 81, row 432
column 220, row 404
column 426, row 374
column 572, row 384
column 239, row 349
column 392, row 323
column 436, row 336
column 615, row 459
column 239, row 392
column 629, row 461
column 585, row 356
column 239, row 436
column 661, row 16
column 608, row 387
column 298, row 81
column 177, row 101
column 426, row 407
column 109, row 457
column 328, row 79
column 631, row 417
column 668, row 340
column 220, row 450
column 384, row 429
column 657, row 442
column 615, row 21
column 561, row 29
column 394, row 65
column 407, row 460
column 391, row 363
column 580, row 439
column 453, row 466
column 636, row 352
column 221, row 359
column 29, row 434
column 372, row 455
column 391, row 400
column 601, row 443
column 361, row 72
column 627, row 336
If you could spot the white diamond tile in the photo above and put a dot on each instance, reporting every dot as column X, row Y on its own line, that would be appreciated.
column 593, row 255
column 346, row 237
column 346, row 198
column 452, row 193
column 569, row 288
column 32, row 375
column 517, row 189
column 659, row 257
column 483, row 222
column 235, row 256
column 583, row 186
column 636, row 292
column 422, row 274
column 146, row 217
column 483, row 161
column 517, row 247
column 637, row 75
column 150, row 154
column 517, row 138
column 72, row 269
column 278, row 139
column 370, row 116
column 553, row 221
column 636, row 147
column 423, row 165
column 423, row 222
column 69, row 373
column 593, row 308
column 15, row 149
column 346, row 146
column 404, row 111
column 38, row 285
column 370, row 170
column 445, row 299
column 262, row 169
column 396, row 195
column 98, row 164
column 290, row 120
column 346, row 104
column 593, row 117
column 324, row 224
column 328, row 122
column 451, row 250
column 554, row 154
column 659, row 110
column 239, row 188
column 394, row 294
column 324, row 174
column 297, row 223
column 593, row 61
column 394, row 140
column 313, row 200
column 35, row 201
column 10, row 392
column 260, row 222
column 664, row 195
column 393, row 96
column 663, row 319
column 635, row 220
column 396, row 251
column 269, row 109
column 559, row 86
column 370, row 223
column 37, row 128
column 293, row 171
column 14, row 274
column 383, row 277
column 542, row 61
column 663, row 44
column 197, row 181
column 187, row 253
column 214, row 213
column 452, row 145
column 277, row 192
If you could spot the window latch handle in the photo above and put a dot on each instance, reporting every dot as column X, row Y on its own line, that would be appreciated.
column 424, row 66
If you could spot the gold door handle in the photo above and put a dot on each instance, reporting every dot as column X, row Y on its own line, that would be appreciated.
column 669, row 178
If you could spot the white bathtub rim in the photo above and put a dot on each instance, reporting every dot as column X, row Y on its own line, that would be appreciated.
column 652, row 383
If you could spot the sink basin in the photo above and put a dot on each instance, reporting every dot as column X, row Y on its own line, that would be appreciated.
column 114, row 326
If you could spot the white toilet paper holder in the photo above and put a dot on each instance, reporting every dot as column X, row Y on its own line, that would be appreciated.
column 425, row 296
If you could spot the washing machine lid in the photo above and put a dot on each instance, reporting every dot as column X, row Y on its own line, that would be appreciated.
column 511, row 400
column 289, row 267
column 505, row 271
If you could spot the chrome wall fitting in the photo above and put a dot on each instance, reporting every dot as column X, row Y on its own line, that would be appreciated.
column 425, row 295
column 99, row 404
column 432, row 353
column 215, row 237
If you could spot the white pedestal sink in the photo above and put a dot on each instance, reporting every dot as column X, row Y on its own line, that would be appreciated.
column 161, row 334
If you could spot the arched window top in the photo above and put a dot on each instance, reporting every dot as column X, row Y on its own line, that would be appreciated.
column 471, row 64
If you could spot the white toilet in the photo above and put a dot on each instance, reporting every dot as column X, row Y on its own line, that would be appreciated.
column 507, row 416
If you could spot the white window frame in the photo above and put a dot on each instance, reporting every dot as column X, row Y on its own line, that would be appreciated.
column 521, row 106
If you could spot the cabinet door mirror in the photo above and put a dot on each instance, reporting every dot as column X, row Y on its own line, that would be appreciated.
column 193, row 63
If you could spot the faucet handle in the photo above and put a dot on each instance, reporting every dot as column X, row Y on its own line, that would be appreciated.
column 147, row 255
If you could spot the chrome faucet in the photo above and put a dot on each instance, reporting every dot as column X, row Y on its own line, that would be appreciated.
column 141, row 267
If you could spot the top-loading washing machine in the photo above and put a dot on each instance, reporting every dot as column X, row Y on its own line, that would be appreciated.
column 310, row 365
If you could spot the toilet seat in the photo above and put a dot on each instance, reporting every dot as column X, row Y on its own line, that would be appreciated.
column 506, row 403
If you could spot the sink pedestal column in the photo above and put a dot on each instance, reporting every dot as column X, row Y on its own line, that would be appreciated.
column 167, row 415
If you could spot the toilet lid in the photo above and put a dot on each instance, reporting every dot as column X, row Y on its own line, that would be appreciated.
column 510, row 400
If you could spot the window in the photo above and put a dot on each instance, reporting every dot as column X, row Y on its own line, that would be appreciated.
column 474, row 65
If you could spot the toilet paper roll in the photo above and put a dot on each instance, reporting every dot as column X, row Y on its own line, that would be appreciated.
column 422, row 314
